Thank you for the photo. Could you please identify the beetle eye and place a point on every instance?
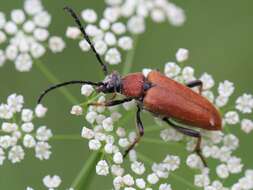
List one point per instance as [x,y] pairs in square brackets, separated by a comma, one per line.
[147,86]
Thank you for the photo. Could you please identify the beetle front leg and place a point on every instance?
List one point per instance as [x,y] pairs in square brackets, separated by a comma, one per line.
[191,133]
[111,103]
[195,83]
[140,129]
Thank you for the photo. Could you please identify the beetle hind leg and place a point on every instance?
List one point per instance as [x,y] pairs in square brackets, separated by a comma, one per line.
[140,128]
[191,133]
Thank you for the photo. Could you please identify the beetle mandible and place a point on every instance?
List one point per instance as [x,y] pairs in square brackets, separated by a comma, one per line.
[167,99]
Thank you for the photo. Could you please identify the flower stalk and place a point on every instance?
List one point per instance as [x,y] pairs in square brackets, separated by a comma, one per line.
[85,176]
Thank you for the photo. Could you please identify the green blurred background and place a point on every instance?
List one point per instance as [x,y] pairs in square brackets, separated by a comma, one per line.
[218,35]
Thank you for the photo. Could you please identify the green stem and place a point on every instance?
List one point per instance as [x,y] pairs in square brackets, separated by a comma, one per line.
[129,57]
[85,176]
[176,177]
[51,78]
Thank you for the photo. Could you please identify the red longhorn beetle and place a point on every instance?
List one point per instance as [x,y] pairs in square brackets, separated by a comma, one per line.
[160,95]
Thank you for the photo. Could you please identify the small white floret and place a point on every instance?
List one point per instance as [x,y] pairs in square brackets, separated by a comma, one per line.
[152,178]
[107,124]
[136,25]
[42,19]
[73,32]
[87,90]
[18,16]
[52,182]
[113,56]
[171,69]
[29,141]
[89,15]
[128,180]
[87,133]
[226,88]
[118,158]
[94,144]
[76,110]
[140,183]
[27,115]
[56,44]
[222,171]
[40,110]
[102,168]
[91,117]
[42,151]
[246,125]
[182,54]
[125,43]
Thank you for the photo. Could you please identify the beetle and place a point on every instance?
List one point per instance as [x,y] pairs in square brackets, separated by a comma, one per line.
[173,102]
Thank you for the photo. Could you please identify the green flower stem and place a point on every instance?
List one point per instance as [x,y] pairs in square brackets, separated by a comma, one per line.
[85,176]
[144,158]
[51,78]
[130,56]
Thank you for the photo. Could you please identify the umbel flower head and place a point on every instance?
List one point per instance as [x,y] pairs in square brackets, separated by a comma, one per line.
[19,133]
[106,133]
[122,20]
[24,37]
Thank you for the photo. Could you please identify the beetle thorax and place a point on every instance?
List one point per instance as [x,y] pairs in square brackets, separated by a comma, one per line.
[133,85]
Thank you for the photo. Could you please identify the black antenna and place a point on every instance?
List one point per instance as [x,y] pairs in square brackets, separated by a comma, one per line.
[85,35]
[65,84]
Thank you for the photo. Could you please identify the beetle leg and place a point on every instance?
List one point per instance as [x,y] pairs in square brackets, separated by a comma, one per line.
[195,83]
[140,130]
[111,103]
[191,133]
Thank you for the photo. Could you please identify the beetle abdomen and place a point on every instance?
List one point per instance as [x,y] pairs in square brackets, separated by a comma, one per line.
[132,85]
[169,98]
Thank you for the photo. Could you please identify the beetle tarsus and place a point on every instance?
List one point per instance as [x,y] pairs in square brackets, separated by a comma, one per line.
[140,128]
[199,152]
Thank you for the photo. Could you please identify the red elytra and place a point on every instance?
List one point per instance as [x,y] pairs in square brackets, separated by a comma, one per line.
[172,99]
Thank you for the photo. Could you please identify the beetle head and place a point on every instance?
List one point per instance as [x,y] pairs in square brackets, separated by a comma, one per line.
[111,83]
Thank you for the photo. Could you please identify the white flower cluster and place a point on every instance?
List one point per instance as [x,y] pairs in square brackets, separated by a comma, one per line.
[18,132]
[216,145]
[51,183]
[121,20]
[25,36]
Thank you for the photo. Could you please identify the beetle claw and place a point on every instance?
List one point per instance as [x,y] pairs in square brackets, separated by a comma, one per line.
[199,153]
